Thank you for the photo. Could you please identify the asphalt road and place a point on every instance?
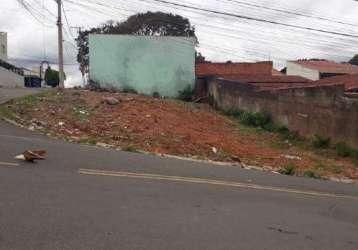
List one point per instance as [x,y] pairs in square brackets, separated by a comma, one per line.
[84,197]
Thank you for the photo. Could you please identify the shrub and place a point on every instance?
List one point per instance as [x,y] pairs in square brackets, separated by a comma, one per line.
[129,148]
[321,141]
[94,86]
[156,94]
[311,174]
[282,130]
[186,94]
[343,149]
[129,90]
[294,137]
[233,112]
[288,170]
[256,119]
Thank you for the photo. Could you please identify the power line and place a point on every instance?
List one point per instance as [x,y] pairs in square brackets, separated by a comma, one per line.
[254,18]
[259,40]
[67,22]
[27,7]
[291,12]
[44,8]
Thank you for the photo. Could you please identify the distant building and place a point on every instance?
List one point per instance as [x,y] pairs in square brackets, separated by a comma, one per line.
[229,70]
[350,82]
[3,46]
[319,69]
[10,75]
[149,65]
[274,82]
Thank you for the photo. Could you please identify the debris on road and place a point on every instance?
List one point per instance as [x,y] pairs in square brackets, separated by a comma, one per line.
[32,155]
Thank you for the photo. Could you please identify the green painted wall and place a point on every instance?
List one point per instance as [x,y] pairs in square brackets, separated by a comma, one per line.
[145,63]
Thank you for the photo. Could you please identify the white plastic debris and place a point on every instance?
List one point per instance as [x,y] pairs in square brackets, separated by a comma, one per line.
[292,157]
[215,150]
[20,157]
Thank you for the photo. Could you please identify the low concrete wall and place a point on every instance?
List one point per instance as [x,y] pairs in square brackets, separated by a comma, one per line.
[323,110]
[10,79]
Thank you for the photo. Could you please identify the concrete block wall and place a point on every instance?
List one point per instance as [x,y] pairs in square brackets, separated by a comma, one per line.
[323,110]
[147,64]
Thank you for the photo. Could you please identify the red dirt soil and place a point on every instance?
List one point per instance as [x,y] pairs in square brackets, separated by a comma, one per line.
[160,126]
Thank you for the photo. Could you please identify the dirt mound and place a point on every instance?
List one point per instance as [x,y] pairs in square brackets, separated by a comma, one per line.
[135,122]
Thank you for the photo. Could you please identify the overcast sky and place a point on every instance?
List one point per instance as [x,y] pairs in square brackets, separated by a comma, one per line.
[221,37]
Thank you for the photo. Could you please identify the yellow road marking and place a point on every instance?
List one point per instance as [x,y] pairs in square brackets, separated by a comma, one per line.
[210,182]
[9,164]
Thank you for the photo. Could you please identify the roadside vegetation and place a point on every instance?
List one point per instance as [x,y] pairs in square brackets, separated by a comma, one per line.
[137,123]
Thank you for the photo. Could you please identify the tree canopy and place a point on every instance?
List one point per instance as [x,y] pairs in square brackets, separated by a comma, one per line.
[354,60]
[52,77]
[145,24]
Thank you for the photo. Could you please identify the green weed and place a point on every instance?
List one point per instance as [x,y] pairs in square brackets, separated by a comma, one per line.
[6,112]
[321,142]
[343,150]
[311,174]
[129,148]
[290,169]
[278,145]
[186,94]
[127,89]
[90,141]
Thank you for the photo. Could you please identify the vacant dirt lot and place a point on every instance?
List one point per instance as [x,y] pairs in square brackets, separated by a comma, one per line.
[169,127]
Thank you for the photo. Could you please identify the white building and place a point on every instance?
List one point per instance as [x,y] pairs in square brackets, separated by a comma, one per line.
[10,75]
[3,46]
[319,69]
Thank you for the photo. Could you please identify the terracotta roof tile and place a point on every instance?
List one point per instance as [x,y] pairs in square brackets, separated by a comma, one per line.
[328,66]
[350,81]
[223,69]
[271,82]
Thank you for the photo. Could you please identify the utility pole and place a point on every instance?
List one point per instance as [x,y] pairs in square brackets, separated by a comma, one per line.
[60,46]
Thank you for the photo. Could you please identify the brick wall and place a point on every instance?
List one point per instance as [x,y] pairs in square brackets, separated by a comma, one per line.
[323,110]
[224,69]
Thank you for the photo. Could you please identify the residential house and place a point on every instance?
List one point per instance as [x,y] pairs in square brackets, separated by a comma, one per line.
[350,82]
[263,82]
[10,75]
[319,69]
[32,78]
[206,71]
